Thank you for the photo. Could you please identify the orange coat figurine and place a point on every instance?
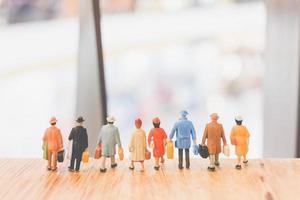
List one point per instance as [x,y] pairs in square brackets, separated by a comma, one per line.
[213,133]
[239,137]
[53,139]
[159,137]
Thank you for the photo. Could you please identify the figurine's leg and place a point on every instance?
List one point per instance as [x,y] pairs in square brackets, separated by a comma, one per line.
[54,160]
[180,158]
[156,167]
[72,162]
[217,163]
[187,158]
[78,161]
[131,167]
[49,160]
[245,161]
[162,160]
[212,162]
[142,165]
[103,159]
[113,162]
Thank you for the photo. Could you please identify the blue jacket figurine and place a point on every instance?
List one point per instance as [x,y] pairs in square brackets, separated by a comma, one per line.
[184,130]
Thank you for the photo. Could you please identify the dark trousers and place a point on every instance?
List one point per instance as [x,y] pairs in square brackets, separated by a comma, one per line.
[76,155]
[187,157]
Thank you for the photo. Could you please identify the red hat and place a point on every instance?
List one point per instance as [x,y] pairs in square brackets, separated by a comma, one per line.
[156,120]
[138,121]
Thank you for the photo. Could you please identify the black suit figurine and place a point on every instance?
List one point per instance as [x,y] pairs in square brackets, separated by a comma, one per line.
[80,143]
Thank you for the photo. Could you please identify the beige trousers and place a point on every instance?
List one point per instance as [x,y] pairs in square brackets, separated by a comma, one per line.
[213,159]
[103,160]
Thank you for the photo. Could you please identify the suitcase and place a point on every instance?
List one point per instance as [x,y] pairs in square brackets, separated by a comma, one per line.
[61,156]
[203,151]
[226,150]
[97,154]
[121,153]
[147,155]
[45,151]
[170,150]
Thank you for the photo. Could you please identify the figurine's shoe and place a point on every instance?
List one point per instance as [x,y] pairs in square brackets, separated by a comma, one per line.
[142,170]
[212,169]
[245,161]
[77,171]
[187,166]
[131,168]
[103,170]
[156,168]
[217,164]
[70,169]
[180,167]
[238,167]
[114,165]
[54,169]
[162,160]
[49,168]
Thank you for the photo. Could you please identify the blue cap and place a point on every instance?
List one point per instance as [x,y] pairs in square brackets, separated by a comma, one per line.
[184,113]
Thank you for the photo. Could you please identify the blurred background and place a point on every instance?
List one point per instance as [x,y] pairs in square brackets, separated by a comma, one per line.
[159,56]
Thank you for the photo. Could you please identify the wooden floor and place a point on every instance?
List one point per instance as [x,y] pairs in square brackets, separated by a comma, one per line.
[261,179]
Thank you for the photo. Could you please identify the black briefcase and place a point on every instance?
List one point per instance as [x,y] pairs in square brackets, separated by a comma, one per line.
[203,151]
[61,156]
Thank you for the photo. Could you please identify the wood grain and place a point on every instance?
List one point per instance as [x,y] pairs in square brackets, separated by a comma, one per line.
[261,179]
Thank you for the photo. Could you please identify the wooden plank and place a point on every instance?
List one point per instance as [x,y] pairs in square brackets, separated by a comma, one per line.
[260,179]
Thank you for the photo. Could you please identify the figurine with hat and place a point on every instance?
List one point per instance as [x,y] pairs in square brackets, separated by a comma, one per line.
[184,131]
[54,143]
[213,133]
[79,137]
[109,137]
[158,137]
[239,137]
[138,145]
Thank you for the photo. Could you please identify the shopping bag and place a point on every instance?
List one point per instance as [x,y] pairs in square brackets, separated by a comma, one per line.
[170,150]
[147,155]
[69,150]
[121,153]
[61,156]
[226,150]
[97,154]
[85,157]
[203,151]
[45,151]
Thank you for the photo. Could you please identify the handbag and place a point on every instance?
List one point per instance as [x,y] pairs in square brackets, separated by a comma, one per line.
[61,156]
[170,150]
[203,151]
[147,155]
[97,153]
[226,150]
[85,157]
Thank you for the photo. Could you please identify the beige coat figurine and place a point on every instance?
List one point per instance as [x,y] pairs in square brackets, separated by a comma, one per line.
[138,145]
[213,133]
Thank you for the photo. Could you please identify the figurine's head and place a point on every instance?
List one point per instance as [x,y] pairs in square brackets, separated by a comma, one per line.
[214,117]
[156,122]
[239,120]
[110,119]
[184,113]
[52,121]
[138,123]
[80,120]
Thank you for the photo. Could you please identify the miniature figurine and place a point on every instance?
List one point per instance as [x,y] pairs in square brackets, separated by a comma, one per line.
[184,130]
[158,136]
[239,137]
[138,145]
[79,137]
[213,133]
[108,138]
[54,143]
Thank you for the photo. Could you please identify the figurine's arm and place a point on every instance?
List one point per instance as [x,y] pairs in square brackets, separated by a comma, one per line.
[71,136]
[223,136]
[85,139]
[193,134]
[150,137]
[131,143]
[45,136]
[232,137]
[144,141]
[173,131]
[60,140]
[205,134]
[118,138]
[165,137]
